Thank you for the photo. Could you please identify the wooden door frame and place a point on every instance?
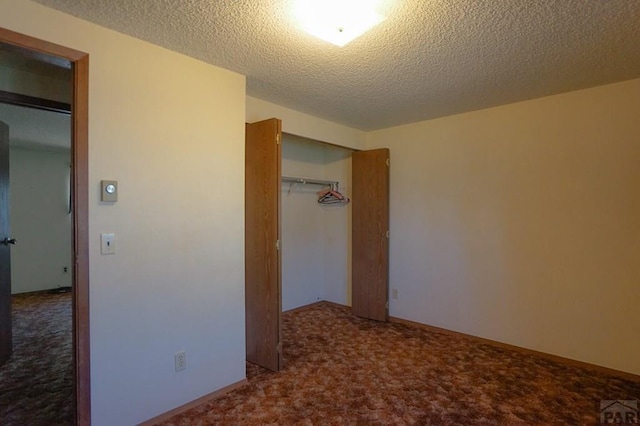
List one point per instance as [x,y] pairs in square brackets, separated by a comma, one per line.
[80,197]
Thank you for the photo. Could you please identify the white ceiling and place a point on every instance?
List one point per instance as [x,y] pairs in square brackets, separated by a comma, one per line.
[36,129]
[430,58]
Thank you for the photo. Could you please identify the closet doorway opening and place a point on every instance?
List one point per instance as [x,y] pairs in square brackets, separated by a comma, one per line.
[299,251]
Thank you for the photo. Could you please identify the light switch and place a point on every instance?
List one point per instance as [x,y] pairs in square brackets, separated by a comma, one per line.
[109,190]
[107,243]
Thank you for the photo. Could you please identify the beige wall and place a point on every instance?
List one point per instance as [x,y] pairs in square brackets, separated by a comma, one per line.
[170,129]
[522,223]
[305,125]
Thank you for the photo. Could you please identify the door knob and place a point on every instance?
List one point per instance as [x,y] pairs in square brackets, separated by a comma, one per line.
[8,241]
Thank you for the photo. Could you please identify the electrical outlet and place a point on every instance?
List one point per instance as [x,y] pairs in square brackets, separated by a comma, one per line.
[394,293]
[65,269]
[180,360]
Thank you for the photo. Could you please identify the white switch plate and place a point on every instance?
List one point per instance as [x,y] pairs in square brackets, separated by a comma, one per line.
[107,243]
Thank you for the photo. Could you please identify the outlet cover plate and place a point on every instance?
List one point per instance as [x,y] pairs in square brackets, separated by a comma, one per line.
[180,360]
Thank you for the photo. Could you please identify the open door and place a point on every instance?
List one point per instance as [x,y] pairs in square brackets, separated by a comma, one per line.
[6,345]
[370,227]
[262,240]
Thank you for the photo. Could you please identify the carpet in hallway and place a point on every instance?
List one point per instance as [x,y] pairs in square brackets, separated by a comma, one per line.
[36,384]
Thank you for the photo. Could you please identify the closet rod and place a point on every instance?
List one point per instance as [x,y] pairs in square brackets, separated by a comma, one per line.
[309,181]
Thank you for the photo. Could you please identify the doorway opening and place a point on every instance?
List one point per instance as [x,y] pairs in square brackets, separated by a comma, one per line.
[40,221]
[32,49]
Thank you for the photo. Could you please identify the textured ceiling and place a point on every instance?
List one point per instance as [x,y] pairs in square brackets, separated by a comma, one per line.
[429,58]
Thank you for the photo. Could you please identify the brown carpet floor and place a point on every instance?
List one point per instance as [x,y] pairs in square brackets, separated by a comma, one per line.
[36,384]
[344,370]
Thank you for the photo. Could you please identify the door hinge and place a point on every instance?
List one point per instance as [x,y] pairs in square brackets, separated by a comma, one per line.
[388,162]
[277,244]
[387,305]
[278,139]
[279,347]
[387,235]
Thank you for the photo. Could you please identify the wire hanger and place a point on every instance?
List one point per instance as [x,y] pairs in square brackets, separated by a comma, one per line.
[332,196]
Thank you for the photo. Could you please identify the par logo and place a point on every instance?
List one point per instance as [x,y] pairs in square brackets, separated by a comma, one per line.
[619,411]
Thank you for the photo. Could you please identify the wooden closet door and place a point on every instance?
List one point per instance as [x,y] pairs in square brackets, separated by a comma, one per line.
[262,234]
[370,227]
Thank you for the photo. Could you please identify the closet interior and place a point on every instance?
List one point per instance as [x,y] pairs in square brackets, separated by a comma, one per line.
[316,228]
[315,224]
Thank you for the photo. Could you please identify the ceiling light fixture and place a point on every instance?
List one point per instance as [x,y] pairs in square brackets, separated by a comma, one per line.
[337,21]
